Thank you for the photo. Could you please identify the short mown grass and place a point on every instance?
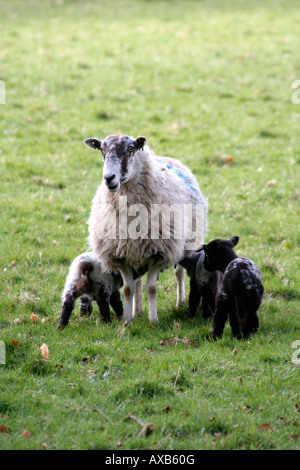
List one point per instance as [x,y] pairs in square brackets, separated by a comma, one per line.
[209,82]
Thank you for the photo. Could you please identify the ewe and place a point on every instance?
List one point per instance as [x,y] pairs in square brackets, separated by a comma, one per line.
[147,215]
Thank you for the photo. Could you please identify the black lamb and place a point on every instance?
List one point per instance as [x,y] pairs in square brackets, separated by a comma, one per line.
[241,290]
[204,285]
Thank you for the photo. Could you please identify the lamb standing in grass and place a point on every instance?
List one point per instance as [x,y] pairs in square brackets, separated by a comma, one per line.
[87,280]
[204,285]
[144,181]
[241,290]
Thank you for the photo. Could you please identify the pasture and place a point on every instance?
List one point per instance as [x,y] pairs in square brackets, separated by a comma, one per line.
[210,83]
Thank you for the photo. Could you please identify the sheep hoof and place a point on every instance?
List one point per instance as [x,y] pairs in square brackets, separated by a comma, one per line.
[127,320]
[138,314]
[153,319]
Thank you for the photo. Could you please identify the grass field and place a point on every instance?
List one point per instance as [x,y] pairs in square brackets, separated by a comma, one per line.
[209,82]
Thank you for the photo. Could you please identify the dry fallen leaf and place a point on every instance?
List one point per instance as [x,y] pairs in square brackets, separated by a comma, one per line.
[149,429]
[163,342]
[17,320]
[283,420]
[3,428]
[45,351]
[265,427]
[26,433]
[33,318]
[188,341]
[15,343]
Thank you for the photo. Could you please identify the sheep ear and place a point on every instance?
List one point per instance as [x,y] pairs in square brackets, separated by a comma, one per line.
[93,143]
[201,257]
[140,142]
[189,262]
[200,270]
[234,240]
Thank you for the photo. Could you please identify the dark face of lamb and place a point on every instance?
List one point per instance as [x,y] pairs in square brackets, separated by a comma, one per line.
[118,153]
[218,253]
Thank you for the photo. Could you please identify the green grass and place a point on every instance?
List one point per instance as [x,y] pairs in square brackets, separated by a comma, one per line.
[203,81]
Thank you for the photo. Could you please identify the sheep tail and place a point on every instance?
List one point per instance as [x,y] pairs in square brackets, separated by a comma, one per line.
[84,284]
[242,313]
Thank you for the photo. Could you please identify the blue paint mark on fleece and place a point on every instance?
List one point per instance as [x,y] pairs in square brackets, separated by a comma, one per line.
[186,179]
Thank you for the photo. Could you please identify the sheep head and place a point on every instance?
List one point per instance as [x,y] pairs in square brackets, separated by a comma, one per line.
[118,153]
[218,253]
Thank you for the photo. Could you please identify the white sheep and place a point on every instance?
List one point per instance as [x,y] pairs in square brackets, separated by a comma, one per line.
[171,220]
[87,280]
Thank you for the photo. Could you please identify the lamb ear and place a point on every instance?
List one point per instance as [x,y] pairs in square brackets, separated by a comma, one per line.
[93,143]
[202,248]
[234,240]
[201,257]
[140,142]
[189,262]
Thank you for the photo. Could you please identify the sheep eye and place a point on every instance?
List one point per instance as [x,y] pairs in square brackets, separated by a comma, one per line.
[130,150]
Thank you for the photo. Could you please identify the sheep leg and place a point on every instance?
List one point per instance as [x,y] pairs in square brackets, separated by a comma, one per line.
[220,316]
[102,302]
[86,305]
[128,282]
[194,298]
[151,290]
[67,309]
[180,275]
[208,302]
[251,325]
[116,303]
[138,298]
[235,324]
[242,314]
